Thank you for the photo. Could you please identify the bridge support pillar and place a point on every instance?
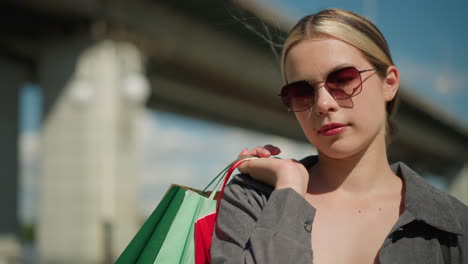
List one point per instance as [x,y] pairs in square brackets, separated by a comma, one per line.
[88,202]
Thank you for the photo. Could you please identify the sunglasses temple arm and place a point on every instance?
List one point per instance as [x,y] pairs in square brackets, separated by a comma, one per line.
[310,112]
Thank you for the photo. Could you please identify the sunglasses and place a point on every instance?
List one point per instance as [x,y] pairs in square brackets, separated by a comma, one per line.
[342,84]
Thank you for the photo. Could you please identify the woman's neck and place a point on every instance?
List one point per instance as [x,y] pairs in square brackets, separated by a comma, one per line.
[362,174]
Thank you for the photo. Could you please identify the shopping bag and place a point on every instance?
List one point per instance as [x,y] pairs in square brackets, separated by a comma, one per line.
[146,244]
[204,226]
[168,235]
[178,246]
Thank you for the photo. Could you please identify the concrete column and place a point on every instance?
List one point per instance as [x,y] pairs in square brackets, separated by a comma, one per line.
[134,88]
[12,76]
[88,191]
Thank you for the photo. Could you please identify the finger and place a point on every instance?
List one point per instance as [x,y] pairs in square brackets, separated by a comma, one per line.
[244,167]
[262,152]
[249,166]
[261,169]
[273,149]
[244,152]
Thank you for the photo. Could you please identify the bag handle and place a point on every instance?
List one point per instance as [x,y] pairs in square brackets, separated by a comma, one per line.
[223,173]
[233,166]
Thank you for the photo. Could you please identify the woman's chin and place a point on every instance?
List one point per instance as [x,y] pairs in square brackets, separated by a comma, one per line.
[337,154]
[344,146]
[338,149]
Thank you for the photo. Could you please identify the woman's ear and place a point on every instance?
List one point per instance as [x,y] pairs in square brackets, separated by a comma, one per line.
[391,83]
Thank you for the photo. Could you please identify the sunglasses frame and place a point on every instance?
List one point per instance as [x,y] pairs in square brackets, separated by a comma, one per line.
[329,89]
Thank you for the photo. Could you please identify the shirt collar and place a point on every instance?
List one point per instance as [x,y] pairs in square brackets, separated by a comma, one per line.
[424,202]
[427,203]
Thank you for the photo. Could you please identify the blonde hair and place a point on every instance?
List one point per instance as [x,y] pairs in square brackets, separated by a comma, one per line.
[355,30]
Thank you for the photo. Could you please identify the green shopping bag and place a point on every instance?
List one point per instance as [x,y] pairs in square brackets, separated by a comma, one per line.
[146,244]
[166,237]
[178,246]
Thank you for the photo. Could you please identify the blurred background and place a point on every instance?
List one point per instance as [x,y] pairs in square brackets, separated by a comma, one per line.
[107,103]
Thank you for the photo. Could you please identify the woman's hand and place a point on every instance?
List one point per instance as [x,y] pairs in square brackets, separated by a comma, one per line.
[276,172]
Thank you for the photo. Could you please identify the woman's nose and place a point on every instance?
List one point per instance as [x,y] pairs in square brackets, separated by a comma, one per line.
[324,102]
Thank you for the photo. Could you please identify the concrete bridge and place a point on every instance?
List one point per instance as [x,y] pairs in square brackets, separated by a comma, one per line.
[99,62]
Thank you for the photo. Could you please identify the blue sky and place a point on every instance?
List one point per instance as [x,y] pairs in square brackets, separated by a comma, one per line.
[428,41]
[30,101]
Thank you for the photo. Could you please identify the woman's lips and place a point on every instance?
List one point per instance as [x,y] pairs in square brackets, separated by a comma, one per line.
[332,129]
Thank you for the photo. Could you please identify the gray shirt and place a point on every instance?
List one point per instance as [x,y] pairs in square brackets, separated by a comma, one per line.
[257,224]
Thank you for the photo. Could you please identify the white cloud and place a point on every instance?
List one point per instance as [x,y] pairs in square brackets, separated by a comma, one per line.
[166,173]
[443,80]
[29,146]
[444,83]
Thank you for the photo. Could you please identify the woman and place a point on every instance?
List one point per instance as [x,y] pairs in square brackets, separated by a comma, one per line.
[346,205]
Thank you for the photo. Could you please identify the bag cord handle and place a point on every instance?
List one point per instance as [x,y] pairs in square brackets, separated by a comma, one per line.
[233,166]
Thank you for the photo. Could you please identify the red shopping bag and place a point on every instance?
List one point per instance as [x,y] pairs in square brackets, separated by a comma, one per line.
[204,226]
[203,233]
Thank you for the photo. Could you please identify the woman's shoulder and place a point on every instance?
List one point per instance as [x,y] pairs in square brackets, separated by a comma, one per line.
[244,183]
[435,206]
[460,211]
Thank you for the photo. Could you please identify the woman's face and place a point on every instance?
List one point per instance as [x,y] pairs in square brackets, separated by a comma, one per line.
[364,114]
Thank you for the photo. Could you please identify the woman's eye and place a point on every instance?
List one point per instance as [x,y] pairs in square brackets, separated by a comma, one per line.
[342,80]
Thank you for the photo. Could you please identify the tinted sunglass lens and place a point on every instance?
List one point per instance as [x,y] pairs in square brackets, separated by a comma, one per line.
[342,83]
[298,96]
